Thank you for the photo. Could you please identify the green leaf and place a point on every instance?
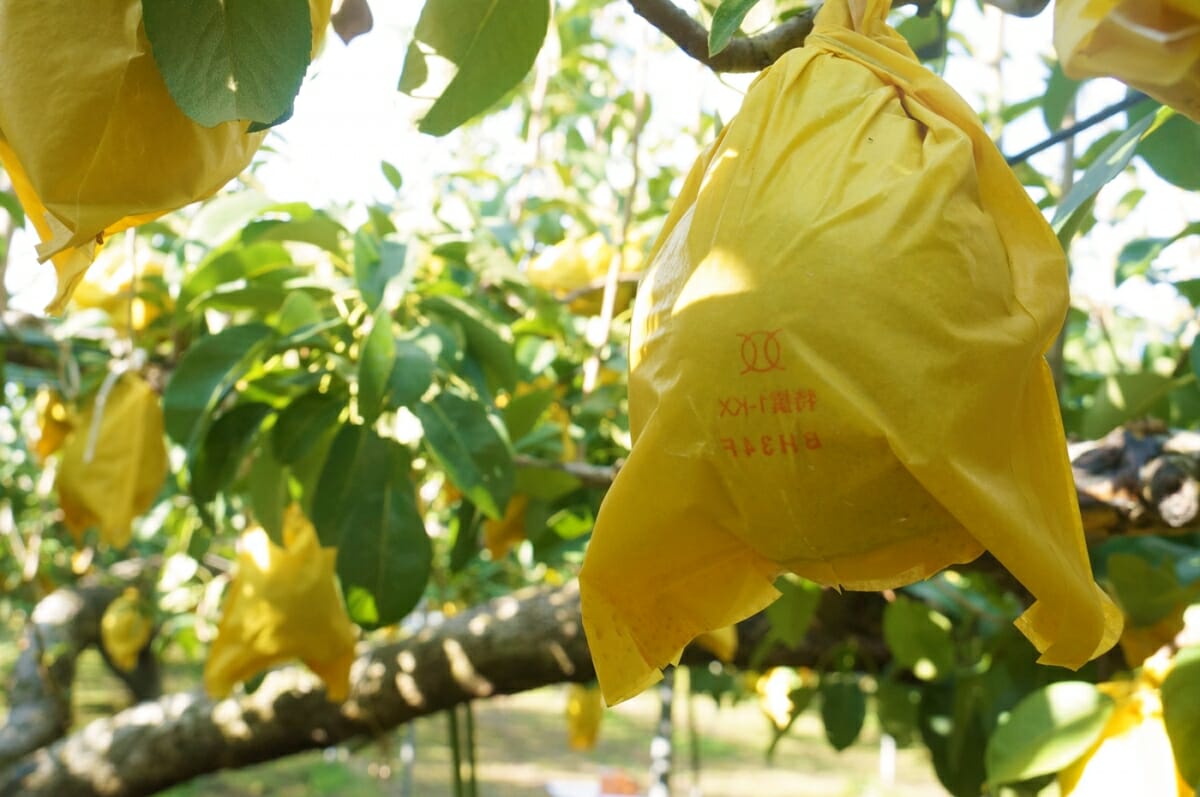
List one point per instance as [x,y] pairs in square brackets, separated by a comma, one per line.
[267,490]
[1138,256]
[1060,93]
[392,175]
[1181,712]
[1172,151]
[228,266]
[727,19]
[1125,396]
[1145,591]
[411,375]
[376,264]
[375,363]
[1108,165]
[335,486]
[303,423]
[415,71]
[466,536]
[843,708]
[219,457]
[384,554]
[299,310]
[926,35]
[10,203]
[545,484]
[919,639]
[465,441]
[306,225]
[1047,731]
[232,59]
[522,413]
[898,704]
[792,613]
[954,728]
[487,341]
[492,42]
[204,373]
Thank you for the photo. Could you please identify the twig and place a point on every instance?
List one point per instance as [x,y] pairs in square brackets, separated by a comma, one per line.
[744,53]
[1076,129]
[591,475]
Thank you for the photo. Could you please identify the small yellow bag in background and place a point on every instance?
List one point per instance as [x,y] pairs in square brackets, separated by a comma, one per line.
[1151,45]
[114,461]
[89,135]
[836,368]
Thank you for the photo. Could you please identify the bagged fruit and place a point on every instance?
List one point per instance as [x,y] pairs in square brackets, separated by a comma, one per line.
[836,368]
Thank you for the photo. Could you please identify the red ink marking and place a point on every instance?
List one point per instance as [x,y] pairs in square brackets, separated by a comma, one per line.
[812,440]
[805,400]
[768,446]
[761,352]
[730,445]
[786,442]
[781,402]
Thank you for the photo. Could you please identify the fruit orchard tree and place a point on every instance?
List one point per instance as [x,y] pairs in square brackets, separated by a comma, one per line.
[361,449]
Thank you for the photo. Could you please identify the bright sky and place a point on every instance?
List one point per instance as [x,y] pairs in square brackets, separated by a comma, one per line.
[349,117]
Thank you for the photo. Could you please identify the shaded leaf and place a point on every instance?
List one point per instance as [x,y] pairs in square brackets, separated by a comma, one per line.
[375,363]
[204,373]
[231,60]
[918,640]
[463,439]
[218,458]
[303,423]
[1181,712]
[843,708]
[727,19]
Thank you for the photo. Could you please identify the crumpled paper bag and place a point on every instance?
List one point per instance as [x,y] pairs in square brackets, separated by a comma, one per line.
[837,368]
[1152,45]
[89,135]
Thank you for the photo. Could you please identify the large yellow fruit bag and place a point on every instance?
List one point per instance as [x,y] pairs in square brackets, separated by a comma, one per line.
[1152,45]
[114,461]
[836,368]
[89,134]
[283,604]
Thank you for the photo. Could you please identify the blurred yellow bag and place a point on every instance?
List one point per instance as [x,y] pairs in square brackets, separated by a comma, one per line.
[836,368]
[283,604]
[1152,45]
[90,136]
[113,466]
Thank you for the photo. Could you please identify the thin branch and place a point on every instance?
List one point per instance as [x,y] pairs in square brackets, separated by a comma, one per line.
[744,53]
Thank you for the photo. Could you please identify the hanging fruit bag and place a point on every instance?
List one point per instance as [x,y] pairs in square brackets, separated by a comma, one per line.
[837,370]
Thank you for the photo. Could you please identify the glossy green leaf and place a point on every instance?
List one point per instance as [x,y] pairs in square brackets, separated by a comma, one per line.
[232,265]
[727,19]
[375,363]
[305,225]
[919,639]
[303,423]
[1181,712]
[1137,257]
[299,310]
[415,71]
[226,60]
[843,708]
[384,554]
[488,341]
[522,413]
[335,485]
[219,457]
[204,373]
[545,484]
[492,42]
[465,441]
[392,175]
[1046,731]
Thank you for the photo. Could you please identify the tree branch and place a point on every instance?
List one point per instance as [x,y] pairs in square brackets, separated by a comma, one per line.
[744,54]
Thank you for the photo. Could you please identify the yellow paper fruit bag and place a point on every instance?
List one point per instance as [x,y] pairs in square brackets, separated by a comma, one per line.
[113,462]
[89,134]
[585,712]
[836,368]
[125,629]
[283,604]
[1152,45]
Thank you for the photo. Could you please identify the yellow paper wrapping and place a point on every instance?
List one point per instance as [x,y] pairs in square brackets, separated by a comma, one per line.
[1152,45]
[283,604]
[89,135]
[836,368]
[113,466]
